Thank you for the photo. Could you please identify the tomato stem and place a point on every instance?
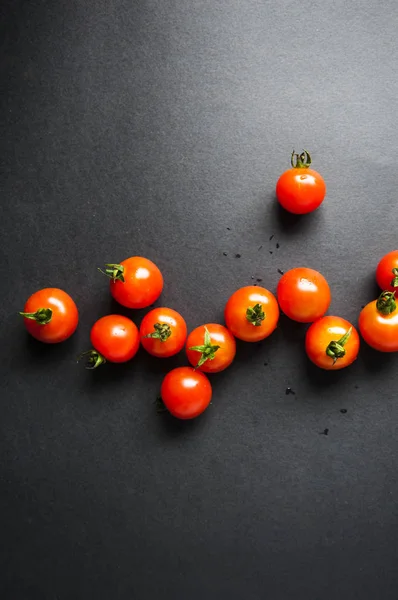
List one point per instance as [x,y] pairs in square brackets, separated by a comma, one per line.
[42,316]
[394,282]
[385,303]
[336,348]
[255,315]
[162,332]
[300,161]
[93,359]
[207,351]
[113,271]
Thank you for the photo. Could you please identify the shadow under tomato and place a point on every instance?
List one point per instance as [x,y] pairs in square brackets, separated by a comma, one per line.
[39,353]
[283,221]
[171,428]
[376,362]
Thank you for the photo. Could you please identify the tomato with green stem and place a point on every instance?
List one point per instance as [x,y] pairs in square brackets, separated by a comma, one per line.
[387,272]
[300,190]
[50,315]
[332,343]
[135,283]
[303,294]
[186,392]
[251,313]
[378,323]
[163,332]
[114,338]
[211,348]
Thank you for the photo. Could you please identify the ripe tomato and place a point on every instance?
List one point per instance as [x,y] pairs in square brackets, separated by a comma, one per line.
[50,315]
[135,283]
[387,272]
[303,294]
[211,348]
[332,343]
[300,190]
[251,313]
[378,323]
[163,332]
[186,392]
[115,339]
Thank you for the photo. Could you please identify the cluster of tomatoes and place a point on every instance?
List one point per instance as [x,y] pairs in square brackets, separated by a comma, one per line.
[251,314]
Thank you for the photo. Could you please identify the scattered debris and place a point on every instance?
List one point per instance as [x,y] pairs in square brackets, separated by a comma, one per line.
[229,229]
[343,410]
[270,251]
[281,272]
[259,248]
[225,253]
[325,431]
[277,245]
[289,391]
[271,236]
[238,255]
[259,279]
[265,364]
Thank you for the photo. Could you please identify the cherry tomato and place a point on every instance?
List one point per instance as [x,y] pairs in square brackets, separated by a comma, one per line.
[163,332]
[251,313]
[211,348]
[186,392]
[378,323]
[115,339]
[135,283]
[303,294]
[387,272]
[50,315]
[300,190]
[332,343]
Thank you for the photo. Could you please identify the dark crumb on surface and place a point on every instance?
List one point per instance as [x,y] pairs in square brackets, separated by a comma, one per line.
[363,306]
[259,279]
[254,283]
[270,251]
[238,255]
[281,272]
[271,236]
[265,364]
[325,431]
[343,410]
[277,245]
[259,248]
[289,391]
[356,387]
[225,253]
[229,229]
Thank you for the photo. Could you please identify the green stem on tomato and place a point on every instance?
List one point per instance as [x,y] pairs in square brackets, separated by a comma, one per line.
[113,271]
[207,350]
[336,348]
[300,161]
[42,316]
[162,332]
[394,282]
[93,359]
[255,314]
[385,303]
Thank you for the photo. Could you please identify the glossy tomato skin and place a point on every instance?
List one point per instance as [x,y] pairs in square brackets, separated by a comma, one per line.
[116,338]
[379,331]
[300,190]
[326,330]
[143,283]
[174,343]
[219,336]
[384,274]
[236,313]
[303,294]
[64,320]
[186,392]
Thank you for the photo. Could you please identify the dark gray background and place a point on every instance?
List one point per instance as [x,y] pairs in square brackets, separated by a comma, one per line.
[150,127]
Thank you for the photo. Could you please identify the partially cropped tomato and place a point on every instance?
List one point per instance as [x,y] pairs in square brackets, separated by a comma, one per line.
[300,190]
[303,294]
[211,348]
[115,339]
[332,343]
[387,272]
[135,283]
[251,313]
[378,323]
[186,392]
[163,332]
[50,315]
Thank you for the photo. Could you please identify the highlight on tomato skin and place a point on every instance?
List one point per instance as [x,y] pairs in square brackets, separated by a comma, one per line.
[186,392]
[211,348]
[303,294]
[50,315]
[163,332]
[387,272]
[332,343]
[251,313]
[300,190]
[378,323]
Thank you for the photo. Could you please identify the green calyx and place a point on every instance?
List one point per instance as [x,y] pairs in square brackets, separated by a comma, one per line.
[394,282]
[162,332]
[93,359]
[385,303]
[300,161]
[255,315]
[336,348]
[42,316]
[207,351]
[114,272]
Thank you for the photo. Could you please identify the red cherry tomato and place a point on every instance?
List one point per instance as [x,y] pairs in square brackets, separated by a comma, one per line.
[251,313]
[387,272]
[50,315]
[135,283]
[378,323]
[186,392]
[211,348]
[332,343]
[303,294]
[300,190]
[115,339]
[163,332]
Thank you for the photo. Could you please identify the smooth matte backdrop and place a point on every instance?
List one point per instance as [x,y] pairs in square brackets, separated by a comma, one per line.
[159,128]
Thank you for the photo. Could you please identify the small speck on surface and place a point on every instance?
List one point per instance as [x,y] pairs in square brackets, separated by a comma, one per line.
[281,272]
[225,253]
[238,255]
[270,251]
[229,229]
[277,245]
[289,391]
[259,279]
[265,364]
[325,431]
[356,387]
[343,410]
[271,237]
[252,276]
[259,248]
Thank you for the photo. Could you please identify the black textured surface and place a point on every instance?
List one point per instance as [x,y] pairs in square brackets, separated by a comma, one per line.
[160,128]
